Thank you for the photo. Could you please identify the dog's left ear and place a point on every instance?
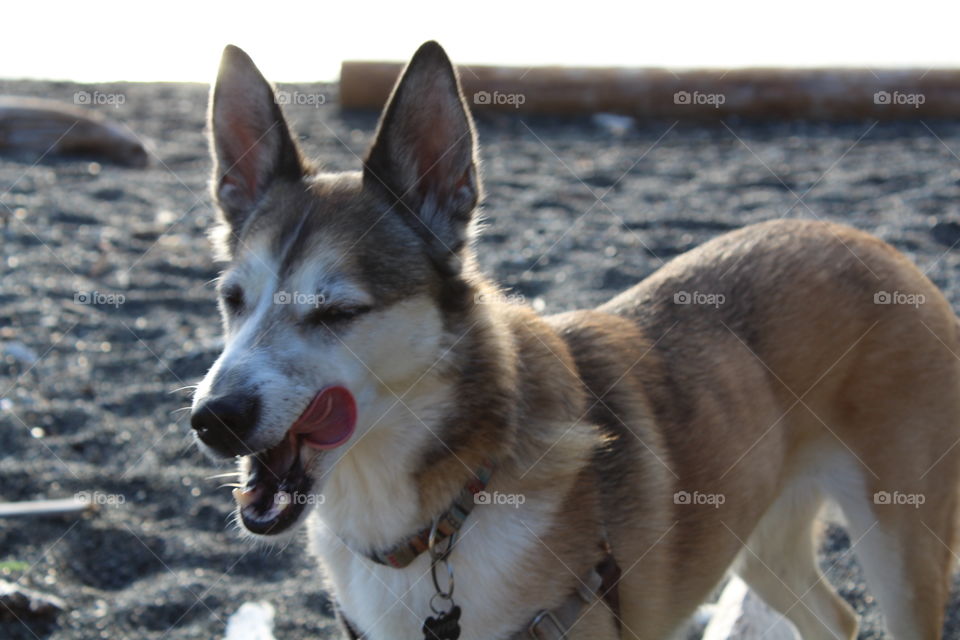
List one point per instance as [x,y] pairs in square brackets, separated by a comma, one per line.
[423,159]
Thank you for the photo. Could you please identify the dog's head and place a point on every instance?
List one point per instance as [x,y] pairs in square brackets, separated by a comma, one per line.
[335,283]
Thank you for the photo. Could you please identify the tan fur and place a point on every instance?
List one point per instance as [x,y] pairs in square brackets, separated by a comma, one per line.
[716,402]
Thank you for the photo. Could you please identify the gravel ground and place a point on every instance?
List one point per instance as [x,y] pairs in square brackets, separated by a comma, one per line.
[97,412]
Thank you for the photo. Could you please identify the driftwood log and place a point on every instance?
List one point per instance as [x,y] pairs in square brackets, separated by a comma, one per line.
[822,94]
[41,127]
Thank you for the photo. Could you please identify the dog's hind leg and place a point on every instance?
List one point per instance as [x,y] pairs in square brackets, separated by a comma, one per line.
[779,563]
[902,533]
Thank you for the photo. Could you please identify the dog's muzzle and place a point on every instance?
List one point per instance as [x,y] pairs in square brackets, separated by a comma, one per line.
[278,485]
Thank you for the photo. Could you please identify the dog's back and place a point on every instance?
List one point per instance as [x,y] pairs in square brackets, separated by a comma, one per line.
[769,369]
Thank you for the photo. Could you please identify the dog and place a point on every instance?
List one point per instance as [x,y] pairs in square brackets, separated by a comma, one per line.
[467,468]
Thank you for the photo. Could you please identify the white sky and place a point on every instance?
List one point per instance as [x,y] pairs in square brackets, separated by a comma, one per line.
[305,41]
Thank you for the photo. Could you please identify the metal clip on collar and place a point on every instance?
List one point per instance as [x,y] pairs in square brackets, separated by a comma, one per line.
[438,556]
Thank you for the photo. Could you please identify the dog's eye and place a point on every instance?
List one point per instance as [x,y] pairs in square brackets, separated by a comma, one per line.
[327,316]
[233,298]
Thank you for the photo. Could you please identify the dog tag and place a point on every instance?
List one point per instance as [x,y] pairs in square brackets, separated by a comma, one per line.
[445,626]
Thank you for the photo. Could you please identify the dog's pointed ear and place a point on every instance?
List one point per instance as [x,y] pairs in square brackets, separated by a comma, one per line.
[251,142]
[423,159]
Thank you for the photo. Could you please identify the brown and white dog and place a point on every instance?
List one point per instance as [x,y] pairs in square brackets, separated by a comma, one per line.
[624,458]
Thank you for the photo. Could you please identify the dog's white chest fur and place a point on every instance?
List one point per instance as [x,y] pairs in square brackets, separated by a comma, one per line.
[391,604]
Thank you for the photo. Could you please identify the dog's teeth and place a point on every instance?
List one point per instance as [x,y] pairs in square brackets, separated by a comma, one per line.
[281,501]
[243,497]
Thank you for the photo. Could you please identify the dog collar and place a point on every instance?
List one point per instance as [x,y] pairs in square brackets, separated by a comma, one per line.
[448,523]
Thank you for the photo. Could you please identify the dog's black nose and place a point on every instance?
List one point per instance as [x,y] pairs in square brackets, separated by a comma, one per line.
[223,422]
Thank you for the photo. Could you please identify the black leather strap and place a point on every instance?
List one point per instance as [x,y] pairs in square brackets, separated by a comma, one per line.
[609,571]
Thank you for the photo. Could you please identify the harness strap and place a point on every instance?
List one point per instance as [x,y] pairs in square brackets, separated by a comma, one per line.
[602,583]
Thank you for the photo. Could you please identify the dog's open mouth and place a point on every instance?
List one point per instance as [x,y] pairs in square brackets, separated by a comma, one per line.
[279,485]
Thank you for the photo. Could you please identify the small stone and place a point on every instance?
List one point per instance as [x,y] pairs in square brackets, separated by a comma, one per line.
[613,123]
[20,352]
[252,621]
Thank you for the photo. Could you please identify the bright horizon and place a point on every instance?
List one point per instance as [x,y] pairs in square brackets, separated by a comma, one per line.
[306,41]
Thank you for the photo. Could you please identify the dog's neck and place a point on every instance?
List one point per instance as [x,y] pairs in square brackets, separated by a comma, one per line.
[467,411]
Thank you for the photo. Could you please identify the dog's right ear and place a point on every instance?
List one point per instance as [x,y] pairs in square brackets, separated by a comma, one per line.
[250,139]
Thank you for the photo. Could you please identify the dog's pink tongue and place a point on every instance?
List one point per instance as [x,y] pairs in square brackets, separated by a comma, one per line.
[330,419]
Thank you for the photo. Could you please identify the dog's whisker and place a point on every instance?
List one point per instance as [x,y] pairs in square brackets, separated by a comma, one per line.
[188,387]
[227,474]
[188,445]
